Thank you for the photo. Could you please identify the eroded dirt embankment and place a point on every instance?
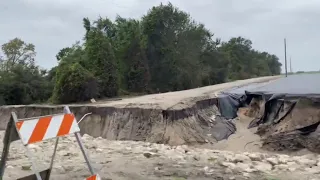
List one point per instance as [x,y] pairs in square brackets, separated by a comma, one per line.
[174,118]
[289,123]
[184,126]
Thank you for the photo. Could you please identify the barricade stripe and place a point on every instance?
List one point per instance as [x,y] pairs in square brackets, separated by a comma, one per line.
[26,130]
[66,124]
[94,177]
[54,126]
[40,129]
[75,126]
[19,124]
[91,178]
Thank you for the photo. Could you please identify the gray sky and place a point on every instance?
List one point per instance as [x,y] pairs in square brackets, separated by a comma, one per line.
[53,24]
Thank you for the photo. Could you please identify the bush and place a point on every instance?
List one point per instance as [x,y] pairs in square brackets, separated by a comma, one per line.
[74,84]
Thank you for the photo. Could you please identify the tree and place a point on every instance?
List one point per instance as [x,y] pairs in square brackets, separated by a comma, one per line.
[245,62]
[74,83]
[63,53]
[163,28]
[274,64]
[24,85]
[16,52]
[21,80]
[130,53]
[102,60]
[165,50]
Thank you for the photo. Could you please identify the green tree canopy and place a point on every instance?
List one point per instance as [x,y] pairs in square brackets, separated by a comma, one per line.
[21,81]
[165,50]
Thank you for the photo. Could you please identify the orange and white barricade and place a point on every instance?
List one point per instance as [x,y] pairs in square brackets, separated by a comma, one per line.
[94,177]
[37,129]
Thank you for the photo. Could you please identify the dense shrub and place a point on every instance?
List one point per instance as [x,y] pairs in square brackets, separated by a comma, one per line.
[74,83]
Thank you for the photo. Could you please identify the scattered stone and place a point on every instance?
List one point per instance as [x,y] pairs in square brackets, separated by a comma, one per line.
[67,154]
[243,167]
[292,169]
[228,171]
[86,137]
[254,157]
[282,167]
[292,166]
[177,161]
[306,162]
[147,154]
[99,138]
[229,165]
[26,167]
[273,161]
[33,146]
[263,166]
[197,158]
[309,156]
[246,174]
[99,150]
[154,150]
[105,162]
[206,168]
[68,168]
[283,159]
[313,170]
[241,158]
[212,159]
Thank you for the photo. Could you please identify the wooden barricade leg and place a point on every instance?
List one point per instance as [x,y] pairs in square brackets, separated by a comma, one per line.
[11,134]
[52,159]
[33,165]
[78,137]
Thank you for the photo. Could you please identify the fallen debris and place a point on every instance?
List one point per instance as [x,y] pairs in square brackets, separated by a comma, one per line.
[141,160]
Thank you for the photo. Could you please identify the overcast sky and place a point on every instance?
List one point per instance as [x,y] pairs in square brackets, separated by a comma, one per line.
[53,24]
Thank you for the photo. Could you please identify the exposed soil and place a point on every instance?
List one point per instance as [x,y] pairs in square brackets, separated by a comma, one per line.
[286,124]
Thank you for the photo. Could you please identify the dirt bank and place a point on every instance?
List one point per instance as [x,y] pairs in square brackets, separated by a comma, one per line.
[183,117]
[287,124]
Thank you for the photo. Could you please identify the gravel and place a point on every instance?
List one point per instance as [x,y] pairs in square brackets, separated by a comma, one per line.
[120,160]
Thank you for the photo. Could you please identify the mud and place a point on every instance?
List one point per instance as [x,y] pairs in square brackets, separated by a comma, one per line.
[288,124]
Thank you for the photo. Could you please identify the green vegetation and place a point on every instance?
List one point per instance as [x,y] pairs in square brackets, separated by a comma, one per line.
[165,50]
[302,72]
